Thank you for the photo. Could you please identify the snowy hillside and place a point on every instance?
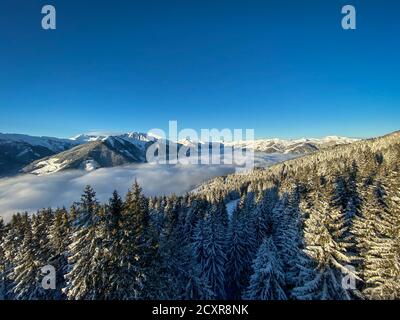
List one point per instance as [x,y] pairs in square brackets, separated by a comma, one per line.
[89,156]
[17,151]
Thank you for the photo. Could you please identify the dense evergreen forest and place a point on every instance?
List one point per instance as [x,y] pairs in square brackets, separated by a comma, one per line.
[297,230]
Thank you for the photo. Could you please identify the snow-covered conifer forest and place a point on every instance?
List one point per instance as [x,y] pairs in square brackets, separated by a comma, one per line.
[296,230]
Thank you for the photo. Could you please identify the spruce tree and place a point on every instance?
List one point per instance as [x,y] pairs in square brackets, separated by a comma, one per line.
[26,274]
[85,251]
[195,212]
[209,244]
[59,240]
[263,218]
[267,281]
[12,243]
[139,243]
[322,276]
[239,255]
[288,236]
[181,278]
[381,252]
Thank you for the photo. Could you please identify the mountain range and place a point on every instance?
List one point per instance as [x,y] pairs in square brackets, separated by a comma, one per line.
[45,155]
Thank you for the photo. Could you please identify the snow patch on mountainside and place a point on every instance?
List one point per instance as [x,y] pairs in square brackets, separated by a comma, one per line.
[84,138]
[91,165]
[48,166]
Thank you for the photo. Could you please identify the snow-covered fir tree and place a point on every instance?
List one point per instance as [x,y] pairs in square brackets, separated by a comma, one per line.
[322,276]
[84,278]
[209,246]
[59,240]
[288,236]
[268,279]
[140,252]
[240,248]
[26,274]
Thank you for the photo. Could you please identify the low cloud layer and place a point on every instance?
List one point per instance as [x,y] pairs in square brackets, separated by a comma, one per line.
[30,193]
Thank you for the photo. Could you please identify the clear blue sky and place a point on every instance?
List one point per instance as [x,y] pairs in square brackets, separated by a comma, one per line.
[284,68]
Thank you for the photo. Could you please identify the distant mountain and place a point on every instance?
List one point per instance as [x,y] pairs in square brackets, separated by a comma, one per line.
[138,139]
[45,155]
[17,150]
[296,146]
[99,153]
[302,146]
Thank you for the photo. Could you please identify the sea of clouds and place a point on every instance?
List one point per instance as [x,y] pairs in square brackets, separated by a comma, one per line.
[30,192]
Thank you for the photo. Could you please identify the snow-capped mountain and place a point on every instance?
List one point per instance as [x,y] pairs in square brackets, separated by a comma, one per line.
[95,151]
[296,146]
[279,145]
[84,138]
[108,152]
[17,150]
[138,139]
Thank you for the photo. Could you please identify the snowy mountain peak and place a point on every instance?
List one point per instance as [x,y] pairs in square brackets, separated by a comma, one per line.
[83,138]
[130,136]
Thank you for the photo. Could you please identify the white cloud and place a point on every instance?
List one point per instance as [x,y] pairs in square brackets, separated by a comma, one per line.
[30,193]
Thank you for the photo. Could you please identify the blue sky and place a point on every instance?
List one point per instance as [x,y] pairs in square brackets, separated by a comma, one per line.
[285,68]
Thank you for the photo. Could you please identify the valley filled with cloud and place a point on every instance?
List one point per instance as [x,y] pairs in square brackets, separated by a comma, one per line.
[30,193]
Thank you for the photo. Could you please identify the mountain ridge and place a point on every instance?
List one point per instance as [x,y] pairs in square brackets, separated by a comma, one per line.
[89,152]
